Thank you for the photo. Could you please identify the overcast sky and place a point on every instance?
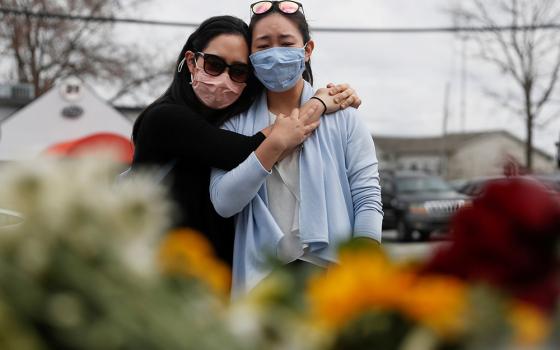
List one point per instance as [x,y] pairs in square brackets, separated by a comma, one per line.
[400,77]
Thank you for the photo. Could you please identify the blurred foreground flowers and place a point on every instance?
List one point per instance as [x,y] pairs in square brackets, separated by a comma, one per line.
[81,272]
[185,253]
[92,266]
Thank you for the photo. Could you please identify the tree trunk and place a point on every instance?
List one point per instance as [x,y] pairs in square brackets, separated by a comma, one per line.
[529,144]
[529,116]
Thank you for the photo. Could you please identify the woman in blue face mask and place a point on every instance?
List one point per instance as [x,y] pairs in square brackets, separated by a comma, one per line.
[180,130]
[301,205]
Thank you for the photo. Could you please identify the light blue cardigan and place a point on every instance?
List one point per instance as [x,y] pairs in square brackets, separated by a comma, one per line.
[339,184]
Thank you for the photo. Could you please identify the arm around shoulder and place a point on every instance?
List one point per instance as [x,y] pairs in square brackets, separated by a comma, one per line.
[180,133]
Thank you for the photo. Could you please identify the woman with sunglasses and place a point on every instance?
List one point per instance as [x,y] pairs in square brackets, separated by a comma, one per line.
[213,81]
[298,207]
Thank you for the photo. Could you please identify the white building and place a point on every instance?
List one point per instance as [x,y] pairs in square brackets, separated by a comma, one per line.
[69,111]
[465,155]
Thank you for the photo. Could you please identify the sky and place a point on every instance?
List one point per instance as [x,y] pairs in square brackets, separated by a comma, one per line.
[401,78]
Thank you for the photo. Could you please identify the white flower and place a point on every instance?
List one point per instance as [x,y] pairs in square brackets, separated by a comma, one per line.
[79,201]
[142,207]
[244,321]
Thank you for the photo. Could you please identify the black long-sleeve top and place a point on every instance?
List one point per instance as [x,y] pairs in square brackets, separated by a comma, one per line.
[171,132]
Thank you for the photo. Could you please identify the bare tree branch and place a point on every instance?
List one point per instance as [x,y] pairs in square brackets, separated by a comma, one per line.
[551,85]
[530,57]
[44,50]
[546,121]
[505,102]
[134,83]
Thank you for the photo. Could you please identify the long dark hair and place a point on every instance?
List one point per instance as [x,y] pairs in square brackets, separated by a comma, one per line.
[300,21]
[180,90]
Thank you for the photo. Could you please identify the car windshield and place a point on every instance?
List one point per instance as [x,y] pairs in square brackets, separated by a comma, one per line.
[422,184]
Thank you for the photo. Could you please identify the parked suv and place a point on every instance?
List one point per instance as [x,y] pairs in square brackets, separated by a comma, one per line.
[416,202]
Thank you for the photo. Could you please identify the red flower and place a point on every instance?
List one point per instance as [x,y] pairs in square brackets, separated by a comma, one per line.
[509,238]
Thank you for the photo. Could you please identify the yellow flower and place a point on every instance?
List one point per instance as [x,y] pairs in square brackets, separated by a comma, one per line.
[187,253]
[367,281]
[437,302]
[531,326]
[364,281]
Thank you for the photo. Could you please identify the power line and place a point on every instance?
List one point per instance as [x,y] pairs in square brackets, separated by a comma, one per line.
[68,17]
[411,30]
[436,30]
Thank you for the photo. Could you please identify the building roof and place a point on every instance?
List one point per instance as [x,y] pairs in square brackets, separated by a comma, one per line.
[68,111]
[11,102]
[437,144]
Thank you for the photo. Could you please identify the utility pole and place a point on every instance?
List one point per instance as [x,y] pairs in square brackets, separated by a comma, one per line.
[443,160]
[463,117]
[463,74]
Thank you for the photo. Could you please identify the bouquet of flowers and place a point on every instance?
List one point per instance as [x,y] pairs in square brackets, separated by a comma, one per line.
[496,286]
[92,266]
[80,271]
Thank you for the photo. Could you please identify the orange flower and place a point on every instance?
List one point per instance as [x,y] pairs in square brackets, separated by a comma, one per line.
[187,253]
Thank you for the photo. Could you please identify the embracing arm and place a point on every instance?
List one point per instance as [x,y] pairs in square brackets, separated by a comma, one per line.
[231,191]
[179,133]
[329,100]
[363,176]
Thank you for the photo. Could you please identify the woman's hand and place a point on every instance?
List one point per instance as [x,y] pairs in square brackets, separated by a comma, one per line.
[337,97]
[344,95]
[290,131]
[287,133]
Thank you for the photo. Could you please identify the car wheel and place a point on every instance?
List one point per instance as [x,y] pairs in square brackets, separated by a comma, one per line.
[425,236]
[404,234]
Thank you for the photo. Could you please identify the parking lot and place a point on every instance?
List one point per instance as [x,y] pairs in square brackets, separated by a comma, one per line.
[406,251]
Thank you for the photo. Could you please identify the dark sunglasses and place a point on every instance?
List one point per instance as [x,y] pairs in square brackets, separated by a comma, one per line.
[215,65]
[287,7]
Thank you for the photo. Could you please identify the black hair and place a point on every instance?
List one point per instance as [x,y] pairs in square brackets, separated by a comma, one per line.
[180,90]
[298,18]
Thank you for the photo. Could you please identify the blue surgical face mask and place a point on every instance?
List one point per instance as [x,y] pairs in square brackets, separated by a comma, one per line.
[279,68]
